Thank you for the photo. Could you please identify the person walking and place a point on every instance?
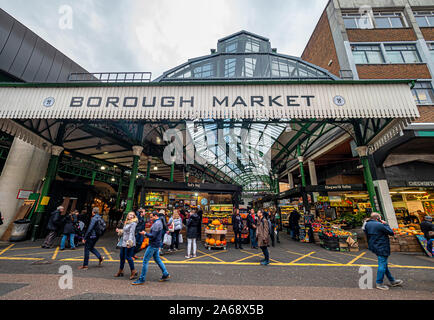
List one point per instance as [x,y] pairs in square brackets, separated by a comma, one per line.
[128,245]
[193,231]
[54,223]
[175,222]
[91,237]
[378,232]
[141,223]
[263,236]
[155,239]
[426,227]
[162,216]
[238,226]
[69,229]
[251,224]
[294,227]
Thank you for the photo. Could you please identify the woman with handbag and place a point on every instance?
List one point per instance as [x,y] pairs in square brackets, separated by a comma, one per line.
[175,227]
[128,244]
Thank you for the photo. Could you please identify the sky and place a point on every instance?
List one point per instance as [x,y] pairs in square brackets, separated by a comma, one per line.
[157,35]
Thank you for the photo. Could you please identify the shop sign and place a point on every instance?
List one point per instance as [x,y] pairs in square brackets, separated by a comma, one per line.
[24,194]
[336,187]
[420,183]
[211,101]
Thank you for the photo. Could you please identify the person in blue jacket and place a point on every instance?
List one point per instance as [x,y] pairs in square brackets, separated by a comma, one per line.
[90,239]
[378,232]
[155,236]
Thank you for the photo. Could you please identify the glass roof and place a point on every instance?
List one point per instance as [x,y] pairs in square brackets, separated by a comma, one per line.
[241,150]
[245,56]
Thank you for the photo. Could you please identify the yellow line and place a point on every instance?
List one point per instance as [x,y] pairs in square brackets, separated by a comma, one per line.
[351,255]
[300,254]
[356,258]
[55,253]
[302,257]
[250,263]
[107,253]
[26,248]
[211,255]
[6,249]
[19,258]
[253,255]
[29,254]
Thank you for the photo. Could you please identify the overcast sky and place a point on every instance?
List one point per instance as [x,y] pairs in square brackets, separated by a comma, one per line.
[157,35]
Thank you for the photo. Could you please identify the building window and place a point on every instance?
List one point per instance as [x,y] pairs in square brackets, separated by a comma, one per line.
[249,67]
[230,67]
[402,53]
[252,45]
[367,54]
[231,47]
[431,49]
[281,68]
[425,19]
[423,93]
[389,20]
[203,71]
[357,21]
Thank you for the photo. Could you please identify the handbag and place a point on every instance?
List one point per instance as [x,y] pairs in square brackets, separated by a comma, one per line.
[167,239]
[181,240]
[119,245]
[172,227]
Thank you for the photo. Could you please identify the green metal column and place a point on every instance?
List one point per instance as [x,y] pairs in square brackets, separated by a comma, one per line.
[49,178]
[172,170]
[118,197]
[92,182]
[137,150]
[300,162]
[368,176]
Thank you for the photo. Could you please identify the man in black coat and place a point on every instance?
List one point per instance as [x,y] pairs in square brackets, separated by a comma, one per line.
[426,226]
[237,224]
[252,222]
[294,218]
[54,223]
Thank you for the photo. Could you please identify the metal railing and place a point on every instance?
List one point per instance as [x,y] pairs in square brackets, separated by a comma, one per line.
[111,77]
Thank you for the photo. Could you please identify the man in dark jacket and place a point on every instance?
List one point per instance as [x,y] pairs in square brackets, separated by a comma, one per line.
[251,224]
[155,236]
[378,232]
[237,224]
[69,228]
[426,226]
[54,223]
[90,239]
[162,216]
[139,228]
[293,220]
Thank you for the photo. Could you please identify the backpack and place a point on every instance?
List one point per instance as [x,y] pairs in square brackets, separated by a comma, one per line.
[100,227]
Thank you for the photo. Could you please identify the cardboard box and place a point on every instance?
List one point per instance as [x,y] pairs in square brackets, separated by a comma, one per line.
[354,249]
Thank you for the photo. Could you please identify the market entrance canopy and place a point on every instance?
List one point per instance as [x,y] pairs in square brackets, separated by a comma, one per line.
[209,100]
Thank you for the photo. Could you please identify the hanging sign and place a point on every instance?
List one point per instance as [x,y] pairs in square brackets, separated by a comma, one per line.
[208,101]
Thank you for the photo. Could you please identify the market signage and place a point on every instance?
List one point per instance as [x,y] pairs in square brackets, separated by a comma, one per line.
[420,183]
[335,187]
[151,101]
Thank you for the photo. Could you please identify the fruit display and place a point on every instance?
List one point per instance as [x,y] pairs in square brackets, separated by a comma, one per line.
[215,235]
[215,225]
[407,230]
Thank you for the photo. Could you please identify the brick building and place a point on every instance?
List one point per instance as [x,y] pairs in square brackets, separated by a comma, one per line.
[374,39]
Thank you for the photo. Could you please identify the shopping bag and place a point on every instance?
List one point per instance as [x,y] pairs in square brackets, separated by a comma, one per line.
[119,245]
[167,239]
[145,243]
[180,239]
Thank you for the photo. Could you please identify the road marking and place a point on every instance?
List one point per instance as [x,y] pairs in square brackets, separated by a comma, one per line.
[356,258]
[364,258]
[251,255]
[25,248]
[300,254]
[29,254]
[55,254]
[211,255]
[107,253]
[302,257]
[247,263]
[6,249]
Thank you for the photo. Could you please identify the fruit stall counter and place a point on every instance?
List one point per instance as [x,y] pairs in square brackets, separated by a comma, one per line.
[332,237]
[215,233]
[405,239]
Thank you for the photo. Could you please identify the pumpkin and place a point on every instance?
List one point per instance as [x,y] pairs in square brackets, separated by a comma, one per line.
[224,242]
[216,222]
[233,240]
[411,228]
[206,240]
[400,225]
[218,243]
[211,241]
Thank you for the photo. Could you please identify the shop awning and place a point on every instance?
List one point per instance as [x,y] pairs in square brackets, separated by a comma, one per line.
[209,100]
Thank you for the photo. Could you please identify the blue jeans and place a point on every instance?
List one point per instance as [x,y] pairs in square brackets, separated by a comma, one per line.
[383,269]
[429,245]
[266,254]
[89,246]
[127,253]
[253,237]
[71,240]
[155,253]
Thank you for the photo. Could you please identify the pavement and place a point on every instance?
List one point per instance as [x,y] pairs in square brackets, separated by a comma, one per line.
[298,271]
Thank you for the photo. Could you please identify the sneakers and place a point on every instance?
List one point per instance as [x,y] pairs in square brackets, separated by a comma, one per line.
[138,282]
[83,268]
[165,278]
[188,257]
[396,283]
[381,286]
[100,261]
[265,263]
[194,256]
